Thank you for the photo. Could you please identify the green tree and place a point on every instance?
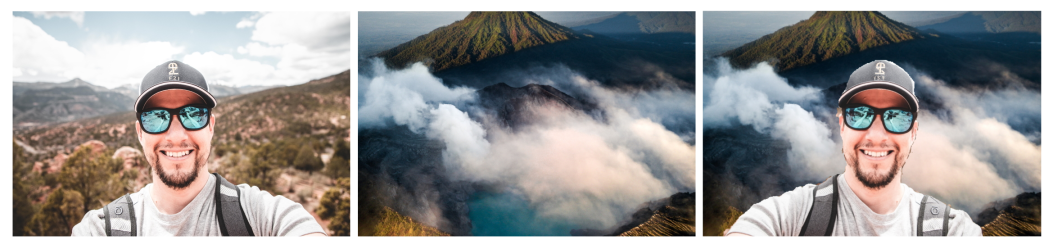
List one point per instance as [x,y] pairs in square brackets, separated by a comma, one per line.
[338,167]
[62,210]
[260,169]
[96,177]
[335,206]
[343,149]
[307,161]
[25,181]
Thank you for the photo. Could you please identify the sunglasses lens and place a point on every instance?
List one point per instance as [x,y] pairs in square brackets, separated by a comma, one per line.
[155,121]
[859,117]
[193,118]
[897,121]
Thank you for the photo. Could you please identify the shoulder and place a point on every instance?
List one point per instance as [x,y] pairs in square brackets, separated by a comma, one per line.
[94,222]
[91,225]
[959,222]
[778,215]
[275,215]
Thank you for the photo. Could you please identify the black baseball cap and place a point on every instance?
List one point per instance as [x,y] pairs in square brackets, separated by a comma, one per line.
[173,75]
[881,74]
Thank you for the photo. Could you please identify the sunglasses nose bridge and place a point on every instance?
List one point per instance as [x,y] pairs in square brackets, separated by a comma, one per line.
[877,131]
[175,128]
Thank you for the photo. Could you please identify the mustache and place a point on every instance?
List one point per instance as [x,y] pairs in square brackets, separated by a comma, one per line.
[872,145]
[181,145]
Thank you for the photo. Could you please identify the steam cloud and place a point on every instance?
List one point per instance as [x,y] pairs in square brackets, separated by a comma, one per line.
[758,97]
[567,164]
[967,153]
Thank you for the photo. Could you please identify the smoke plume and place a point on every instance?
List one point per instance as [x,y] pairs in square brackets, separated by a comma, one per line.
[568,165]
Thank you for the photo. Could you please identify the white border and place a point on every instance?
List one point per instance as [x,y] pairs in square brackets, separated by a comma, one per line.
[488,242]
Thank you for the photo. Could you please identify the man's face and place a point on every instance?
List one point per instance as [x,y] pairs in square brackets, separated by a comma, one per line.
[876,155]
[177,155]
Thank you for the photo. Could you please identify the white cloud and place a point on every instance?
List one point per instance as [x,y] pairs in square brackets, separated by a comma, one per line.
[75,16]
[40,57]
[309,45]
[245,24]
[224,69]
[115,63]
[313,30]
[257,49]
[197,13]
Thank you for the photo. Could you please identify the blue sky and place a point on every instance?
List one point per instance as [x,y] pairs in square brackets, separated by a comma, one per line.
[230,48]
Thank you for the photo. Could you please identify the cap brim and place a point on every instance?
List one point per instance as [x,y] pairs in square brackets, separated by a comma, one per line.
[210,101]
[912,101]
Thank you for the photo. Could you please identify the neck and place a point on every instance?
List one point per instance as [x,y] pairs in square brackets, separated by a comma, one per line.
[169,200]
[883,200]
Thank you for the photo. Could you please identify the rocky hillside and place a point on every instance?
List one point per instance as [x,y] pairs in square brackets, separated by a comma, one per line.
[1017,216]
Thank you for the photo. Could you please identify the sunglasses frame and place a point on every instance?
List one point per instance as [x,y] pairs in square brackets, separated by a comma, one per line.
[877,112]
[173,112]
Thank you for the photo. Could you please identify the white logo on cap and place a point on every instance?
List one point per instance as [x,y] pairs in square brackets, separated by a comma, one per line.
[880,74]
[173,75]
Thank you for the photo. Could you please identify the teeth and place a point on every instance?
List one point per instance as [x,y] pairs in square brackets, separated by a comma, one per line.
[875,154]
[177,154]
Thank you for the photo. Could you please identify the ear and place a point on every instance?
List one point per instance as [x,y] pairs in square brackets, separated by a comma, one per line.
[211,123]
[841,122]
[914,132]
[139,133]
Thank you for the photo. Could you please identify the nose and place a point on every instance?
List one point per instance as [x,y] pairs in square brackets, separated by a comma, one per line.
[176,133]
[877,132]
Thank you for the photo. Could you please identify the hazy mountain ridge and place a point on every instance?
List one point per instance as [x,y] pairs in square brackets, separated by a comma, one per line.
[41,103]
[478,36]
[63,104]
[825,35]
[988,22]
[640,23]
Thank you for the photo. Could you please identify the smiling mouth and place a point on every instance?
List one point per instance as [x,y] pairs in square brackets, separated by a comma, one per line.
[177,154]
[876,153]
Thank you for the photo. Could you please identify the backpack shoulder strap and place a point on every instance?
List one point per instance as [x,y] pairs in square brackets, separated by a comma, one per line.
[933,217]
[232,219]
[120,217]
[820,220]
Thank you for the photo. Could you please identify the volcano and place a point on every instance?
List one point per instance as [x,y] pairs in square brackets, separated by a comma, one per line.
[478,36]
[825,35]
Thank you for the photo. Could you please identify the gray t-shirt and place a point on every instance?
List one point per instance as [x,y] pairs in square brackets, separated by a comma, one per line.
[268,215]
[785,215]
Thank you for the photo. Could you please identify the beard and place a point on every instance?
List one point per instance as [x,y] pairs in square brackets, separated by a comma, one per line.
[178,180]
[875,179]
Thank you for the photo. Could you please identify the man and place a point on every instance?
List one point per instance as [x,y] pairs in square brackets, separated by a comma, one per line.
[175,127]
[878,114]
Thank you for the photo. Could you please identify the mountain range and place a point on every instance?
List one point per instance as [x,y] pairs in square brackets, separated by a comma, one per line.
[41,103]
[639,23]
[978,22]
